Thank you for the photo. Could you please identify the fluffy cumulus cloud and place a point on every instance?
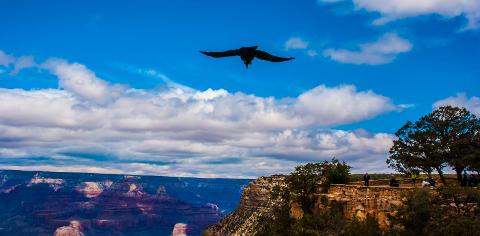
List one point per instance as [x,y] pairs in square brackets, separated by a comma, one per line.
[80,81]
[88,124]
[335,105]
[392,10]
[461,100]
[382,51]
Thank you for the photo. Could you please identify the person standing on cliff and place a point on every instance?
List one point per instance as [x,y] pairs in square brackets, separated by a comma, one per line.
[366,178]
[414,177]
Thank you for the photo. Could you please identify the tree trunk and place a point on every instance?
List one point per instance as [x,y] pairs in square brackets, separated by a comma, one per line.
[459,174]
[440,173]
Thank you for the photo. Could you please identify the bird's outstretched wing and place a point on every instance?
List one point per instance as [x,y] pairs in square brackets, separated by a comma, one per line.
[228,53]
[268,57]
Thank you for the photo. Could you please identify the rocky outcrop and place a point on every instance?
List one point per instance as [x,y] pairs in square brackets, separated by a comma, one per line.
[180,229]
[74,229]
[256,203]
[359,201]
[55,184]
[93,189]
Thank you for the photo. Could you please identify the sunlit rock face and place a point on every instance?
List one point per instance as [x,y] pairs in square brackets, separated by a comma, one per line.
[360,202]
[90,189]
[95,204]
[134,191]
[180,229]
[255,204]
[72,230]
[55,184]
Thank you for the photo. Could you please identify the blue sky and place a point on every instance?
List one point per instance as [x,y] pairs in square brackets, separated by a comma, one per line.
[361,71]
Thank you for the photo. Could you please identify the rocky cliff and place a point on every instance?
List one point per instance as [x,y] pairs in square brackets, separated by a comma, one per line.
[359,201]
[258,202]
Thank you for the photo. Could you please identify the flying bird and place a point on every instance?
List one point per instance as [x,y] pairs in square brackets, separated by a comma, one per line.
[247,54]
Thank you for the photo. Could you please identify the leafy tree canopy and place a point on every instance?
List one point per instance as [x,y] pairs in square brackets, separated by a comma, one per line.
[447,136]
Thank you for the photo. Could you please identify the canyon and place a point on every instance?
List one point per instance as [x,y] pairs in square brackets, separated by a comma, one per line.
[74,204]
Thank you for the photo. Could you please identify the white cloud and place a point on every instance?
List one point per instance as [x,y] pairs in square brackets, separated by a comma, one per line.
[181,131]
[392,10]
[82,82]
[20,63]
[341,104]
[300,44]
[296,43]
[6,59]
[461,100]
[382,51]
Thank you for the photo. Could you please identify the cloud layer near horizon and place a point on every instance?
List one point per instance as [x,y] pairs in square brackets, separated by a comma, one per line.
[89,124]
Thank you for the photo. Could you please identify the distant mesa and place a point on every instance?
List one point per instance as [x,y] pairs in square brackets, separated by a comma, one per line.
[55,184]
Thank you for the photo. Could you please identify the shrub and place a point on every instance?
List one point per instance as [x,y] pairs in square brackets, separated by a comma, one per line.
[369,227]
[303,182]
[414,215]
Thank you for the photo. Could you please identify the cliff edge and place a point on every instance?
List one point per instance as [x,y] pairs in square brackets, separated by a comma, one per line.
[257,203]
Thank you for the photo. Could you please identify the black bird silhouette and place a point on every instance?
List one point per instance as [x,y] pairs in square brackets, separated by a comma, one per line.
[248,54]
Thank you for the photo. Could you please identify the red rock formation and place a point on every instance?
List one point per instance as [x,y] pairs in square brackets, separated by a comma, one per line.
[90,189]
[74,229]
[180,229]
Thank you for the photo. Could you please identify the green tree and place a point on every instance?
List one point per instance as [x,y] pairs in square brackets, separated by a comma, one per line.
[456,130]
[448,135]
[306,179]
[416,148]
[335,172]
[473,158]
[303,183]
